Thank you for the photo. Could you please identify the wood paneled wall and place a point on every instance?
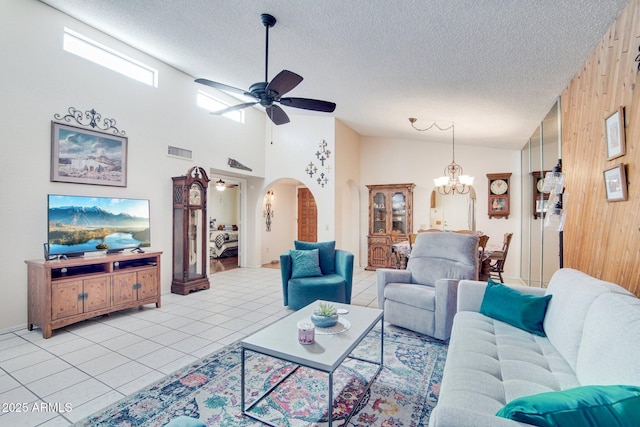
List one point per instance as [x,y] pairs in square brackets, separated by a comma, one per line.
[603,238]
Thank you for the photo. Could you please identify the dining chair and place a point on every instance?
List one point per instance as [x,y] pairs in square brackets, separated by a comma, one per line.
[498,258]
[483,264]
[412,239]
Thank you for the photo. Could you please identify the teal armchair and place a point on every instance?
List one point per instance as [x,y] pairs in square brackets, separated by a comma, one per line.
[333,282]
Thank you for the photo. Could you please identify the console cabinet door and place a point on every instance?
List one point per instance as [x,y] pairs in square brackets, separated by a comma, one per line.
[97,293]
[66,299]
[148,281]
[123,291]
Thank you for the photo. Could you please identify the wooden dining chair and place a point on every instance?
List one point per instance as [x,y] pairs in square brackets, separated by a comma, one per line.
[412,239]
[483,270]
[498,258]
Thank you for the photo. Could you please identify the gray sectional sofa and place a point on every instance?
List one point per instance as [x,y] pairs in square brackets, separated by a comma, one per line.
[592,338]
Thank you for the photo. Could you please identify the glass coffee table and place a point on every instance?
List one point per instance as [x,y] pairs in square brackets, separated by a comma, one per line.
[326,354]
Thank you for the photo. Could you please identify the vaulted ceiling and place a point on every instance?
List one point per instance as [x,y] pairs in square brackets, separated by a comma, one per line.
[492,67]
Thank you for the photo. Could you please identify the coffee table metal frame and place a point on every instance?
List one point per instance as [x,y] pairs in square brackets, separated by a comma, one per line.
[283,347]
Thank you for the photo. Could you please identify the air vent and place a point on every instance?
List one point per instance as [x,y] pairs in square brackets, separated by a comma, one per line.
[182,153]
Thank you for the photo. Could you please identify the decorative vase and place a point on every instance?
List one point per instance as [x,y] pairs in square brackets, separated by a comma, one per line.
[324,321]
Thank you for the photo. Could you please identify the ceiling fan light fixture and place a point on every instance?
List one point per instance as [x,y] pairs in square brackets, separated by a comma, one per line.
[220,185]
[267,93]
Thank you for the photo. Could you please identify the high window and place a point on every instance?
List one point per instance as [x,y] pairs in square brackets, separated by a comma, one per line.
[109,58]
[210,103]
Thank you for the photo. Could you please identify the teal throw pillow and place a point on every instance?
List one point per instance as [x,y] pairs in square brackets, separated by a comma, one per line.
[515,308]
[305,263]
[184,421]
[327,253]
[588,406]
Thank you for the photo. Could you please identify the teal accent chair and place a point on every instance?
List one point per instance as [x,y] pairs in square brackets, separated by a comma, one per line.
[334,284]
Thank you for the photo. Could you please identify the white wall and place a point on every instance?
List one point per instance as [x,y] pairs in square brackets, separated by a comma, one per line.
[39,80]
[283,225]
[391,161]
[290,149]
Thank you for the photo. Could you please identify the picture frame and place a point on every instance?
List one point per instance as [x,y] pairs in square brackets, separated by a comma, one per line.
[85,156]
[615,184]
[615,134]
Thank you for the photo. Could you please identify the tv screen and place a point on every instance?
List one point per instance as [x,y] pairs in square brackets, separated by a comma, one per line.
[79,224]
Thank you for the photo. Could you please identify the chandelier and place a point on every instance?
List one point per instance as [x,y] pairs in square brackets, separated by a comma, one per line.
[220,185]
[453,181]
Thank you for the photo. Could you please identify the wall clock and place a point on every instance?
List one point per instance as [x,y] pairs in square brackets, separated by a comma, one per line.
[499,195]
[540,198]
[190,232]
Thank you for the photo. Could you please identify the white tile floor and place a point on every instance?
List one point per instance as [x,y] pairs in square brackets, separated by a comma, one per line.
[88,366]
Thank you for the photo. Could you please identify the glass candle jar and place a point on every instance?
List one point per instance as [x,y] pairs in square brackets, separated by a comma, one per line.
[306,332]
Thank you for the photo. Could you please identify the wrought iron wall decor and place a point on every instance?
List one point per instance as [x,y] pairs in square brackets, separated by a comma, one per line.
[236,164]
[638,59]
[323,154]
[268,208]
[92,118]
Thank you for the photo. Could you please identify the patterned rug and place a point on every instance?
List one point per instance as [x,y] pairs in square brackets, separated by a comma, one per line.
[403,394]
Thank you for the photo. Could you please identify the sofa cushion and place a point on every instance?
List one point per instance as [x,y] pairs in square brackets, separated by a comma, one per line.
[610,336]
[611,406]
[305,264]
[573,293]
[520,310]
[327,253]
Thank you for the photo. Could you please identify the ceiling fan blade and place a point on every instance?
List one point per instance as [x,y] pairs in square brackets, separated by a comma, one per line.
[277,115]
[233,108]
[224,87]
[309,104]
[284,82]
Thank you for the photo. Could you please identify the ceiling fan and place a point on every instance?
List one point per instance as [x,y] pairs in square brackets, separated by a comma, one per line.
[268,93]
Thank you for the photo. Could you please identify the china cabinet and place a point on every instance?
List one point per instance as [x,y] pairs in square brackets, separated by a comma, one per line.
[390,218]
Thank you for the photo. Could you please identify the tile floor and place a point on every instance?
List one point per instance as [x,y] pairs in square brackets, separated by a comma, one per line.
[88,366]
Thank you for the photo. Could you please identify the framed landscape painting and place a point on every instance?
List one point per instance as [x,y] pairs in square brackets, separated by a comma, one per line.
[615,184]
[85,156]
[614,125]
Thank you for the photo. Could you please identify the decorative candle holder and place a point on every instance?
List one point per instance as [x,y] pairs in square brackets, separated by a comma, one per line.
[306,332]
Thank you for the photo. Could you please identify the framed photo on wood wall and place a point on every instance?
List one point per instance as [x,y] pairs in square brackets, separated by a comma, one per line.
[614,131]
[85,156]
[615,184]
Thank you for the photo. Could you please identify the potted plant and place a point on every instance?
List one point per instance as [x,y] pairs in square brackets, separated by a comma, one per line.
[325,315]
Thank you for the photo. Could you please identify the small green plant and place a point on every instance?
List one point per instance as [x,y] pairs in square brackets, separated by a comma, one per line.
[326,309]
[102,246]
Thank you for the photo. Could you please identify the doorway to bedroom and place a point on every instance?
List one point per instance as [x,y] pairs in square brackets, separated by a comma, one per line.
[224,220]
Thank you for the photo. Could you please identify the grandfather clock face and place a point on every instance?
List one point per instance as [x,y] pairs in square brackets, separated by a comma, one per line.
[195,194]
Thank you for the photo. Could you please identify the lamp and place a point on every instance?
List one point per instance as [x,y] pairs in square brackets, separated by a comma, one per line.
[220,185]
[453,181]
[268,208]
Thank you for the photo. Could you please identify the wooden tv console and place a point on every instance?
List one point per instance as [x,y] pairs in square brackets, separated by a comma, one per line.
[62,292]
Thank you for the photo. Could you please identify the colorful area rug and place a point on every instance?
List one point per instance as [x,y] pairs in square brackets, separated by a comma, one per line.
[403,394]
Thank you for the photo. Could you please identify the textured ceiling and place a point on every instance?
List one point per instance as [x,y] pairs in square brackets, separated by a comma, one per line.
[493,67]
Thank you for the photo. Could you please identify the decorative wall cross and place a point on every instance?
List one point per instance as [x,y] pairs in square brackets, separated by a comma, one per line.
[323,153]
[311,169]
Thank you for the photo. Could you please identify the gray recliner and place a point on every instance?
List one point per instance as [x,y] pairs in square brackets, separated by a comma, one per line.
[423,297]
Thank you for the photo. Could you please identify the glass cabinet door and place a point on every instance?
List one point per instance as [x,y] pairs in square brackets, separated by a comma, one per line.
[379,213]
[399,213]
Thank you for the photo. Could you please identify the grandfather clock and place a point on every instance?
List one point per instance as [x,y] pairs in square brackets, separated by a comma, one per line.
[190,232]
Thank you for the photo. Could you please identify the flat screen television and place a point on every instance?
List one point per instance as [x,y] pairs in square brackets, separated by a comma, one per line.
[81,224]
